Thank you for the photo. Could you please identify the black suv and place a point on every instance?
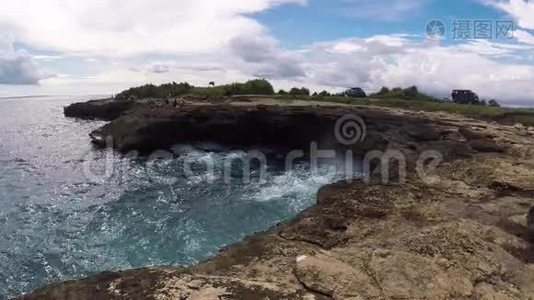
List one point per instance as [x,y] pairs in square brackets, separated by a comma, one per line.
[465,97]
[355,92]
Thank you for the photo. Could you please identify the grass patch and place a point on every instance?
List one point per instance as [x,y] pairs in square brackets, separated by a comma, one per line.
[509,116]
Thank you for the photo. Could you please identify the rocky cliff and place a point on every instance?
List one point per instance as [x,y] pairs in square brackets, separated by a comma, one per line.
[454,231]
[107,109]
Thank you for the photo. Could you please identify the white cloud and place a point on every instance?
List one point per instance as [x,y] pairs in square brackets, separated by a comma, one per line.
[373,62]
[377,61]
[114,28]
[17,67]
[262,57]
[493,49]
[379,44]
[524,37]
[193,36]
[159,68]
[521,10]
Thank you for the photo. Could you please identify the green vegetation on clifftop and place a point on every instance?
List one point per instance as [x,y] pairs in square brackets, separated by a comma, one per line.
[256,87]
[405,98]
[410,93]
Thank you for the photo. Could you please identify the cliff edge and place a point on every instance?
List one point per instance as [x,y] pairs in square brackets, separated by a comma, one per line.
[455,230]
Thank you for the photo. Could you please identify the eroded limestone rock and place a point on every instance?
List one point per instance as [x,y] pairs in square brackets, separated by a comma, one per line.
[458,236]
[530,222]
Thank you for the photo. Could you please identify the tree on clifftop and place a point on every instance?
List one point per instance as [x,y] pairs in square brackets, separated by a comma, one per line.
[411,92]
[251,87]
[299,92]
[152,91]
[494,103]
[383,91]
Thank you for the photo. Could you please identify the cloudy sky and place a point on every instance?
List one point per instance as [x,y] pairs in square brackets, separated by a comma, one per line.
[103,46]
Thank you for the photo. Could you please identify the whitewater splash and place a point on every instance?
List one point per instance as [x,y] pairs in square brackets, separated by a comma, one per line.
[295,187]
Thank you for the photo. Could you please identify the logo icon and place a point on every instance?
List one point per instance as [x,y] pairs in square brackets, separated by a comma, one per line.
[435,29]
[350,129]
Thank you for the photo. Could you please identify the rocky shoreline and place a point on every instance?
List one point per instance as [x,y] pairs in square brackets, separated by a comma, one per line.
[459,232]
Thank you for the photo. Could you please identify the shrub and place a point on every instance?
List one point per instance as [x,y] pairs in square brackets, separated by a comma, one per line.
[324,94]
[152,91]
[387,93]
[234,89]
[494,103]
[411,93]
[383,91]
[299,92]
[256,87]
[216,91]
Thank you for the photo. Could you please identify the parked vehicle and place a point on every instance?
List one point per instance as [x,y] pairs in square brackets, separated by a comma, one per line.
[465,97]
[355,92]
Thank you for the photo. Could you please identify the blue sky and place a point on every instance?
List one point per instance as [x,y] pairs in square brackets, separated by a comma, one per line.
[102,47]
[323,20]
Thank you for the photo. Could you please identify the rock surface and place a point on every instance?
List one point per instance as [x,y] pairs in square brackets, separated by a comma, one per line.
[147,128]
[530,222]
[107,109]
[458,231]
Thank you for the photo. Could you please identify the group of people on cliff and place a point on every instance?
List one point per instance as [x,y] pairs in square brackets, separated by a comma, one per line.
[166,103]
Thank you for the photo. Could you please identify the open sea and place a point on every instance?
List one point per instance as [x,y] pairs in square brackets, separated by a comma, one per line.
[68,210]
